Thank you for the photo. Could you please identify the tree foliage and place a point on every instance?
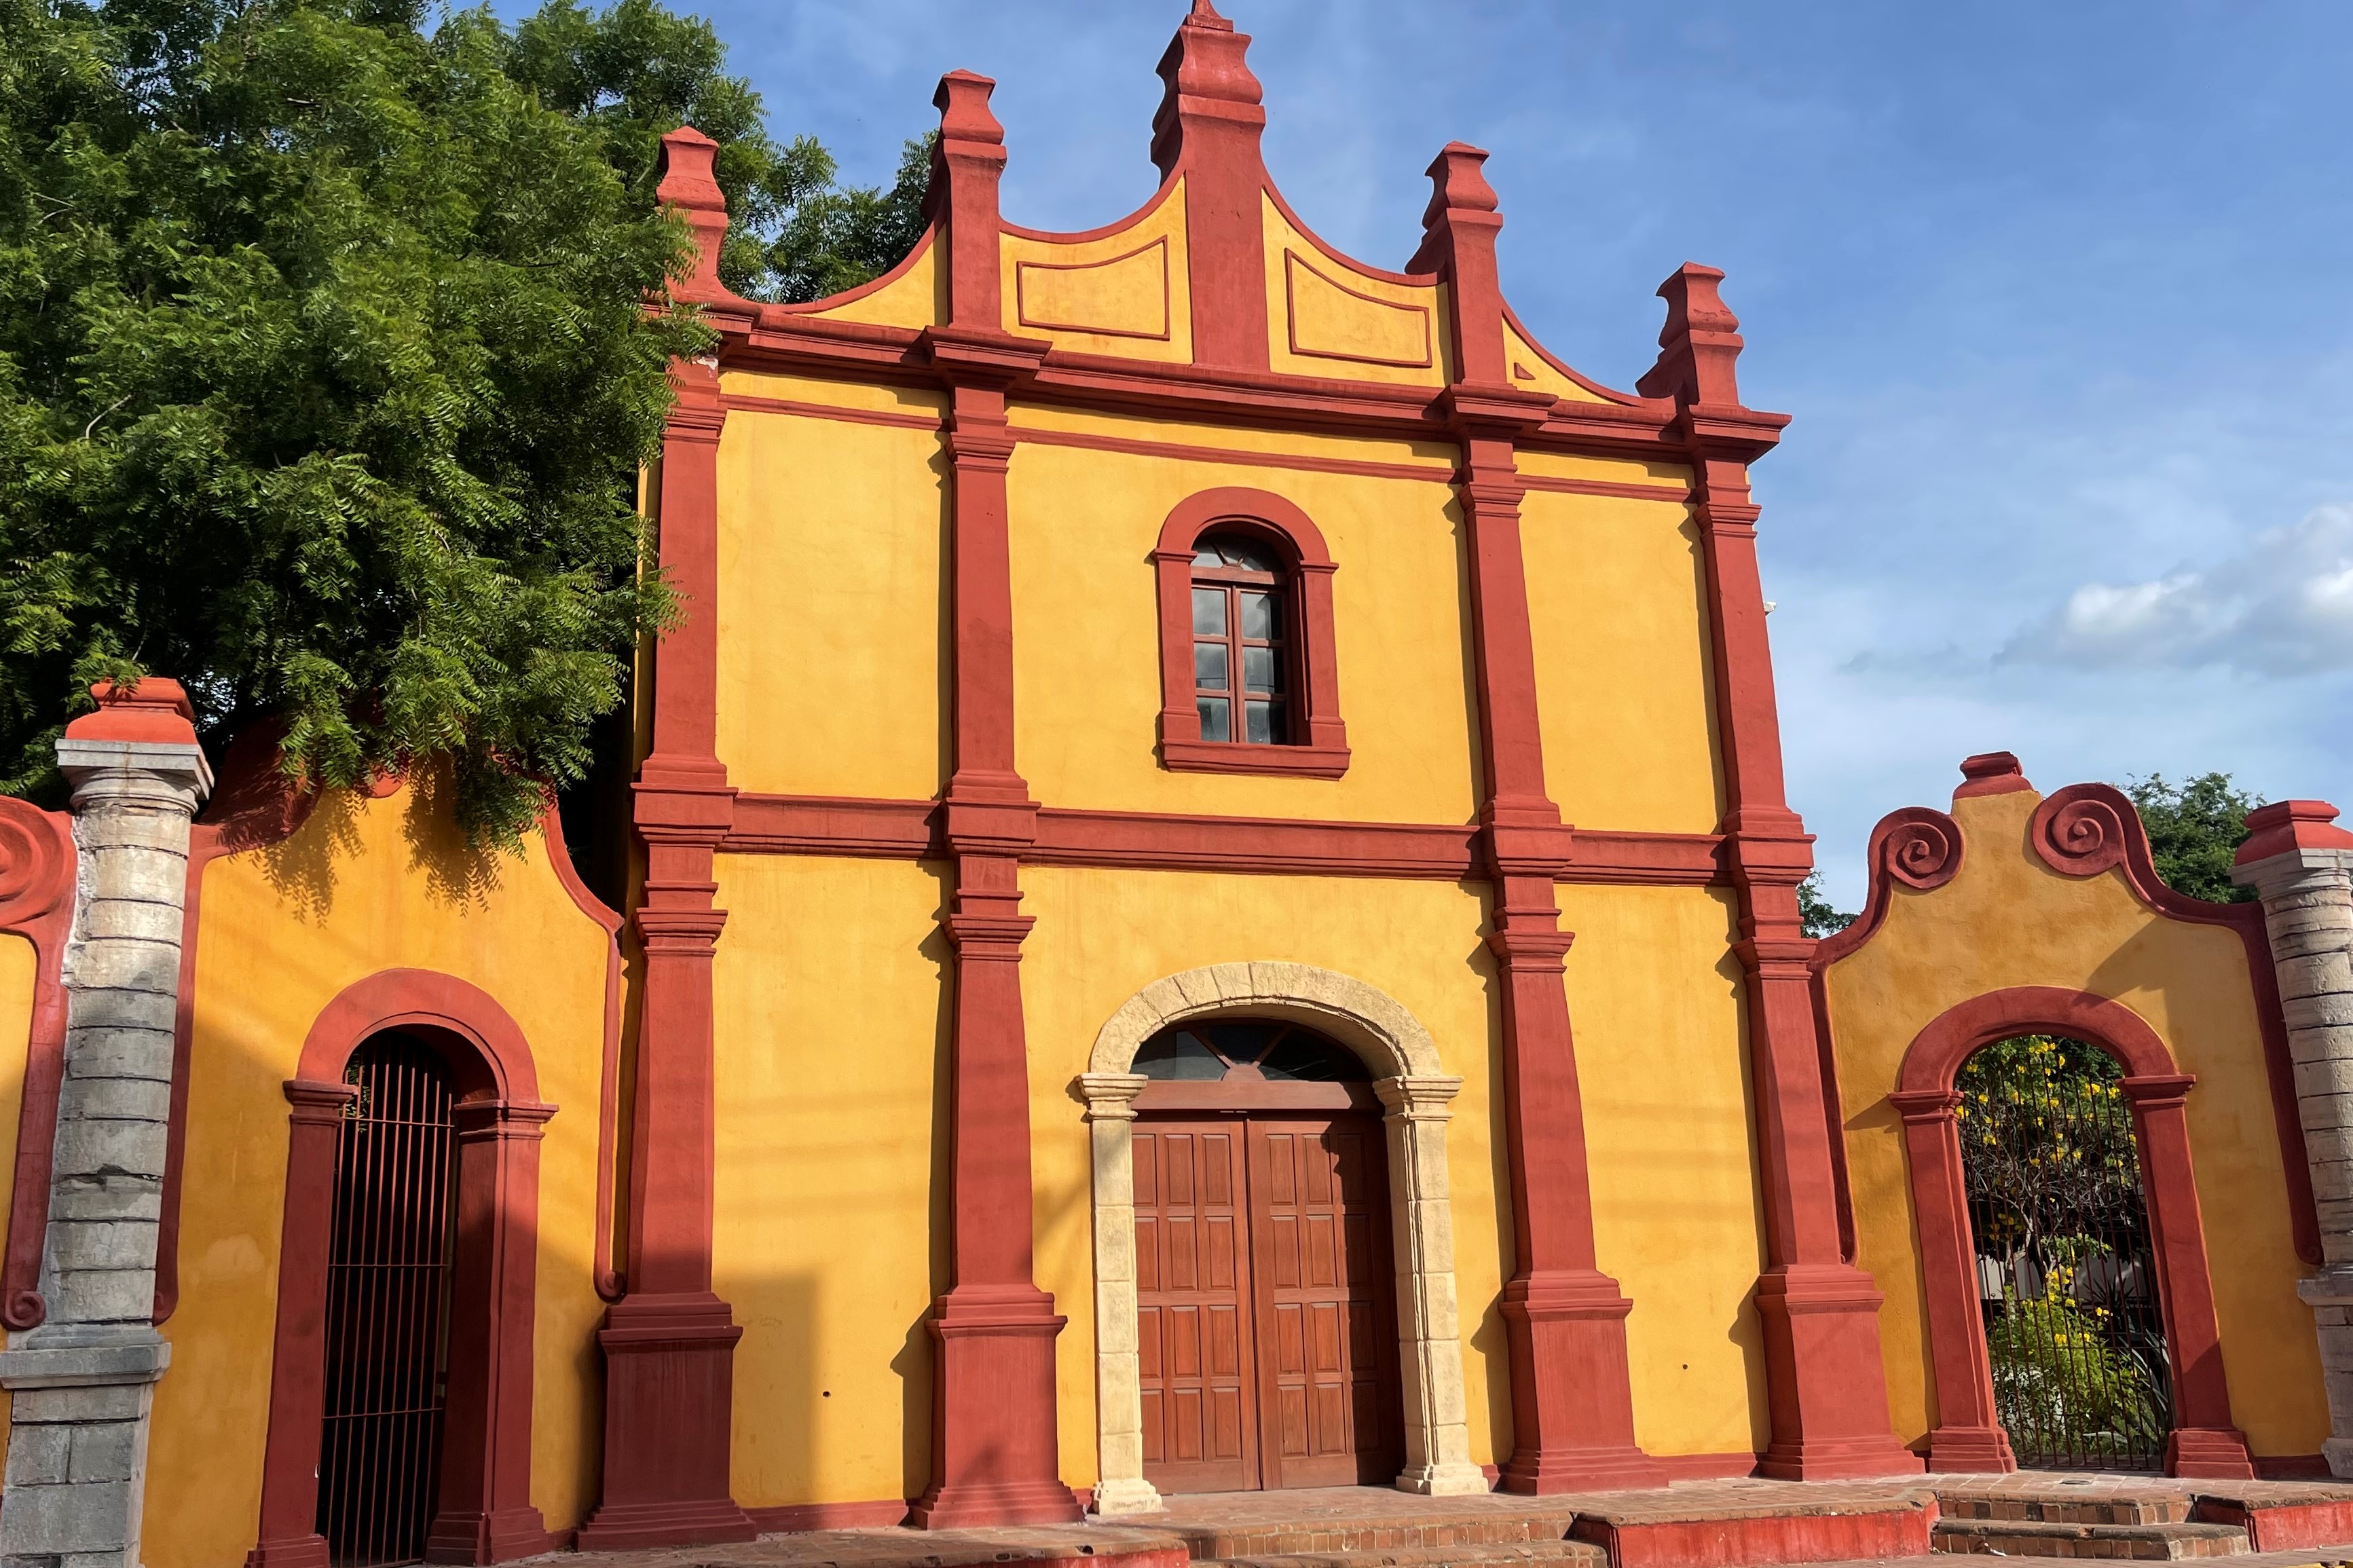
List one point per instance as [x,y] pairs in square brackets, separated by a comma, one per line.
[2194,829]
[326,369]
[1814,911]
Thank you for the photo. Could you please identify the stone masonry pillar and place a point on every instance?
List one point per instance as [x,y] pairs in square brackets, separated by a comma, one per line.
[2301,867]
[83,1380]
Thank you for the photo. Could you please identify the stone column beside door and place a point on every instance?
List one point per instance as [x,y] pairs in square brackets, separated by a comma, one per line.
[2301,865]
[82,1380]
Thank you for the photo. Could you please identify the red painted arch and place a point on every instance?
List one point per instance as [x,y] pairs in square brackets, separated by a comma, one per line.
[1968,1435]
[1325,751]
[485,1513]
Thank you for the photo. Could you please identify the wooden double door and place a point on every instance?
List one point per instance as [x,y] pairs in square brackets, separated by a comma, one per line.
[1264,1299]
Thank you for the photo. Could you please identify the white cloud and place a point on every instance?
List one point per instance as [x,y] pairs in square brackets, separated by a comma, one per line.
[2284,606]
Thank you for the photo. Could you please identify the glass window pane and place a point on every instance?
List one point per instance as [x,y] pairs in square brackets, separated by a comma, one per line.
[1305,1057]
[1214,723]
[1178,1054]
[1207,555]
[1239,1042]
[1209,666]
[1248,556]
[1210,612]
[1258,669]
[1260,616]
[1261,723]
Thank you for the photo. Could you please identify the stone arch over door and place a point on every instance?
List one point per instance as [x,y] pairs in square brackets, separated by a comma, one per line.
[1414,1093]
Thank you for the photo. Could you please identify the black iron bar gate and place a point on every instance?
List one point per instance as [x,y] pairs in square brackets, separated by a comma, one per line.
[2074,1328]
[387,1305]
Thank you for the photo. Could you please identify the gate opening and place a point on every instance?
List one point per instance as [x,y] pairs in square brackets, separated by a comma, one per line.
[388,1279]
[2075,1330]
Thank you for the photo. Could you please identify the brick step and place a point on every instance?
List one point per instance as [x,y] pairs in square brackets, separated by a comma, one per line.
[2062,1508]
[1490,1554]
[1334,1538]
[2161,1542]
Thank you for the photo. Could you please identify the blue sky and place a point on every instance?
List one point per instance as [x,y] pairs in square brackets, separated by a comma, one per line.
[2058,295]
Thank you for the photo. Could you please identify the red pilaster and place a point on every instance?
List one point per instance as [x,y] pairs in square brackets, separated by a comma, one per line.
[1968,1435]
[1208,127]
[485,1512]
[994,1458]
[1826,1383]
[1572,1400]
[670,1344]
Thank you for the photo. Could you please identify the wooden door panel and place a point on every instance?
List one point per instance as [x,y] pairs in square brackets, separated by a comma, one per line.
[1328,1365]
[1192,1274]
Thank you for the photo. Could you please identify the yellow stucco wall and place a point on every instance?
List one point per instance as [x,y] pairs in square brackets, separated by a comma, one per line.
[829,1007]
[2008,920]
[1618,614]
[365,885]
[1126,293]
[830,596]
[1327,316]
[17,971]
[1655,1003]
[1087,639]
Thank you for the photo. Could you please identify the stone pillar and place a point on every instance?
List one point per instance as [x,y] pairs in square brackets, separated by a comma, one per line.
[1438,1461]
[1120,1486]
[83,1378]
[2301,865]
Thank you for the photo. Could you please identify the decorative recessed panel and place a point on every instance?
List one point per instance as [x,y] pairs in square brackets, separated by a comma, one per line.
[1122,297]
[1329,320]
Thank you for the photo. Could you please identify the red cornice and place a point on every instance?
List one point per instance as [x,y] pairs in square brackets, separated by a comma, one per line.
[909,830]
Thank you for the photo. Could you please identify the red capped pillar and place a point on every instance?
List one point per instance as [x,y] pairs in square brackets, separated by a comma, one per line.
[1572,1397]
[995,1454]
[670,1342]
[1827,1387]
[1208,128]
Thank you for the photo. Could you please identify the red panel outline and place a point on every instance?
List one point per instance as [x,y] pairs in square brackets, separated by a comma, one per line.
[2204,1443]
[1021,298]
[1291,311]
[38,868]
[1324,754]
[485,1511]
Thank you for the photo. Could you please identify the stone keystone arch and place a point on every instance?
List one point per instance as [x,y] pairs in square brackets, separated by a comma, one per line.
[1416,1093]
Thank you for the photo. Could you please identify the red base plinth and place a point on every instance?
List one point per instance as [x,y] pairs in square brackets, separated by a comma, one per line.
[293,1552]
[1962,1450]
[1823,1374]
[2209,1454]
[995,1454]
[670,1373]
[1572,1403]
[498,1537]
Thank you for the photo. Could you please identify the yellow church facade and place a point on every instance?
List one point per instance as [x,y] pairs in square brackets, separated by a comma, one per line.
[1211,906]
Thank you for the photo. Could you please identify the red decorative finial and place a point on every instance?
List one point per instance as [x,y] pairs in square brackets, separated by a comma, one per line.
[1700,343]
[689,183]
[2288,825]
[1458,183]
[1990,772]
[1458,243]
[155,709]
[1208,86]
[968,162]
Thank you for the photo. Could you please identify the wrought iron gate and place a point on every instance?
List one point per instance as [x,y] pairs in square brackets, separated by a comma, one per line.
[2074,1328]
[387,1305]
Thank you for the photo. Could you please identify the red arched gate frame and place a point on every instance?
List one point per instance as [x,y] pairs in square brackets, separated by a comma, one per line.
[1968,1436]
[484,1512]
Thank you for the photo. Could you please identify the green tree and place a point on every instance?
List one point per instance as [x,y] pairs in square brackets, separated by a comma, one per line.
[1814,911]
[327,371]
[2194,829]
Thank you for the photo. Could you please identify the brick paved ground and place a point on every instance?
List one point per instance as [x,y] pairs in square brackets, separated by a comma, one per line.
[1235,1524]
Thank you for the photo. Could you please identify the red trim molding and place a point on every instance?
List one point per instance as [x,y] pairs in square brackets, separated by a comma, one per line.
[2087,828]
[485,1512]
[2204,1443]
[1827,1389]
[37,882]
[1324,753]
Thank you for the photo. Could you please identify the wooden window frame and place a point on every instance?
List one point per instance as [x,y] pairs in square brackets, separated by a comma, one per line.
[1317,743]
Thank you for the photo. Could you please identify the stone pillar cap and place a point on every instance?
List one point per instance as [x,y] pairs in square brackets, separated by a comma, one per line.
[153,710]
[2286,826]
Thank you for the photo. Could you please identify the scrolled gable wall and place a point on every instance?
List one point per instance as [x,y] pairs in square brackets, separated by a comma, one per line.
[364,885]
[2007,920]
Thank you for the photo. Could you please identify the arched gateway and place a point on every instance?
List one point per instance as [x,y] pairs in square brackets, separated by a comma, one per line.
[1413,1094]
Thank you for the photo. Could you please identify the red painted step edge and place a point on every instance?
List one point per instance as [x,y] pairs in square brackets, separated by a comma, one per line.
[1754,1542]
[2285,1528]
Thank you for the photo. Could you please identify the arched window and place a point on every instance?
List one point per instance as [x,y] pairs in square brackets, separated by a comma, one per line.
[1248,683]
[1242,654]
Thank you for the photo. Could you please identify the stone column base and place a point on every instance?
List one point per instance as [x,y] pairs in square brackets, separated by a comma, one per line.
[2330,1296]
[1445,1480]
[1127,1495]
[78,1442]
